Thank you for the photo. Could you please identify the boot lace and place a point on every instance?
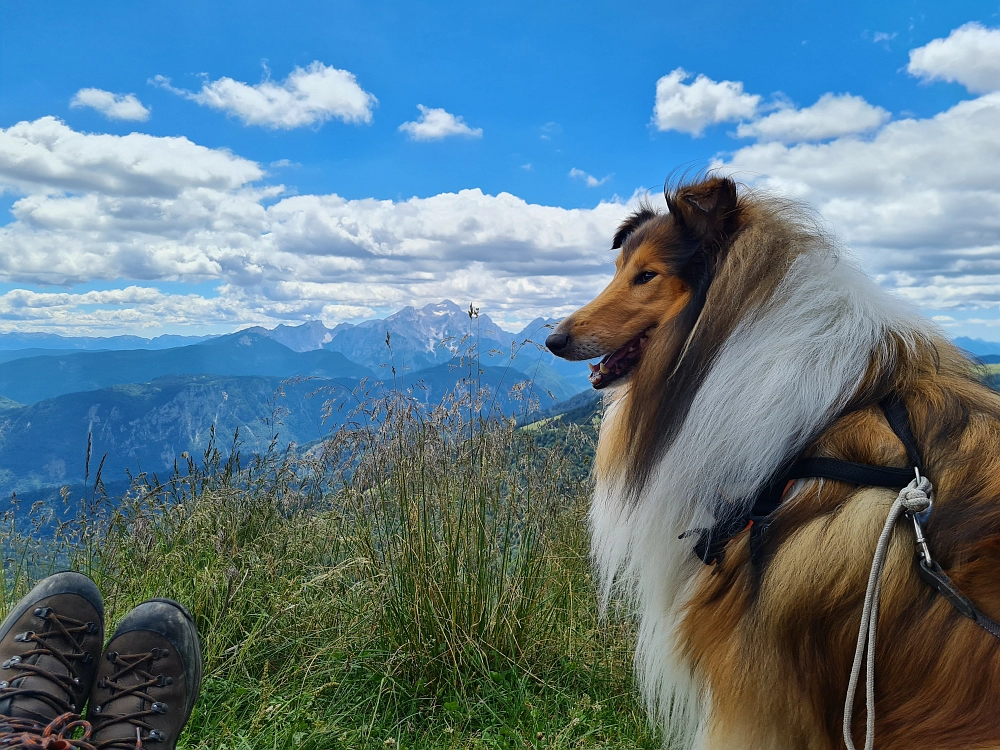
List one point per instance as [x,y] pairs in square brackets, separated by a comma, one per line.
[72,632]
[25,734]
[138,666]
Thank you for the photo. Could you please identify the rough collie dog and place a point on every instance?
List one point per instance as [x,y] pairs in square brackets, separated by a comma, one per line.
[735,342]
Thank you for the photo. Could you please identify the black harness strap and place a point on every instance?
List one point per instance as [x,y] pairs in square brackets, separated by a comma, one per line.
[938,580]
[711,544]
[898,418]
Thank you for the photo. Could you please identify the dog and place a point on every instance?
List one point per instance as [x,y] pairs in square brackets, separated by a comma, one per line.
[734,340]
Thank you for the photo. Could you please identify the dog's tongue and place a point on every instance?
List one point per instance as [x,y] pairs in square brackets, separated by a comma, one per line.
[606,367]
[617,355]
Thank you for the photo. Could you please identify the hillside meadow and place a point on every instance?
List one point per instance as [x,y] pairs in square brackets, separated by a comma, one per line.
[418,579]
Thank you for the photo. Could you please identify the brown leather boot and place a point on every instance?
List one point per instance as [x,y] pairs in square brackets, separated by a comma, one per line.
[49,645]
[148,680]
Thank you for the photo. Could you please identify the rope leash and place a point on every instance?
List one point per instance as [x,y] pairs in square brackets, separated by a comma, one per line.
[916,499]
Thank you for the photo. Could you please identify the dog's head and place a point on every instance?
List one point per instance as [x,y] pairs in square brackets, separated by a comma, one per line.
[662,274]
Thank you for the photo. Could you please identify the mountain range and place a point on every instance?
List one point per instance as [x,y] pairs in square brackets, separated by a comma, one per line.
[144,401]
[141,403]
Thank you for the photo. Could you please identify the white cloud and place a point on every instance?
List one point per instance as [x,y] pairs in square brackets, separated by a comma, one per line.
[919,202]
[435,124]
[883,36]
[133,308]
[47,155]
[309,96]
[590,180]
[93,210]
[690,108]
[833,116]
[112,106]
[970,55]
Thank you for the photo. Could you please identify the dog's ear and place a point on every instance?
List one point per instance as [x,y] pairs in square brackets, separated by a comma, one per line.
[709,211]
[633,222]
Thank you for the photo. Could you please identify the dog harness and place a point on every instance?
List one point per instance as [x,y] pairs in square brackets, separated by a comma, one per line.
[711,544]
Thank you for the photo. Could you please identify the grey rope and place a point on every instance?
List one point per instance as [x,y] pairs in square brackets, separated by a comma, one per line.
[914,498]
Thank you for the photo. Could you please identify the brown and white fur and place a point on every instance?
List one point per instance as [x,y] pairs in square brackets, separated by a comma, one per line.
[740,339]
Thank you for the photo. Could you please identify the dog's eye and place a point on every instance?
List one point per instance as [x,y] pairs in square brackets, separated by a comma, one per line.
[644,277]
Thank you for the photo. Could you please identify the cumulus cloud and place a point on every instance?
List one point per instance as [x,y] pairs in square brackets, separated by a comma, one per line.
[919,202]
[435,124]
[833,116]
[589,179]
[112,106]
[271,257]
[47,155]
[308,96]
[691,107]
[133,308]
[970,55]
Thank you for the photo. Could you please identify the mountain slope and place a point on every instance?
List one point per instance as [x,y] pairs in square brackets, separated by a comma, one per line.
[148,426]
[245,354]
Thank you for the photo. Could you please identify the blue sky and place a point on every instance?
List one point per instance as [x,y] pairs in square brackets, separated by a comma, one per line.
[273,178]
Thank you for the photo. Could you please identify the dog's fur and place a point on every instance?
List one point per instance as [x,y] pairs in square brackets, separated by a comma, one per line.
[759,338]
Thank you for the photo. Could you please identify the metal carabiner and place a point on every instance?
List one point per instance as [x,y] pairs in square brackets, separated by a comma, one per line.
[921,518]
[921,540]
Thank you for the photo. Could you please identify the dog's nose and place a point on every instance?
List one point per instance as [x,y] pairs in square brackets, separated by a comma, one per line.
[556,342]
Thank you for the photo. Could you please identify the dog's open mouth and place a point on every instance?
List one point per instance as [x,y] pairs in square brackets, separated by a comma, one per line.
[619,363]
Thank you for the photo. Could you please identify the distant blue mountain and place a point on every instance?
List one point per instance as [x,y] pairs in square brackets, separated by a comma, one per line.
[977,347]
[143,402]
[10,341]
[434,335]
[147,426]
[240,354]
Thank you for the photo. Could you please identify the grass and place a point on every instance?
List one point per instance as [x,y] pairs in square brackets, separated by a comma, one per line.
[417,580]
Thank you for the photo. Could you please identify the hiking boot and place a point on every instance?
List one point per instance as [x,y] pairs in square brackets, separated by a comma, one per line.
[148,680]
[49,644]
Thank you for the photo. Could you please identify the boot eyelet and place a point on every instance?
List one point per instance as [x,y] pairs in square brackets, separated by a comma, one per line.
[159,708]
[11,662]
[102,683]
[4,685]
[111,656]
[76,681]
[160,653]
[97,709]
[24,637]
[43,612]
[87,658]
[92,627]
[157,736]
[163,680]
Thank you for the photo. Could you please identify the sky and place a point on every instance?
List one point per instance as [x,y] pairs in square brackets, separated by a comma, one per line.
[196,167]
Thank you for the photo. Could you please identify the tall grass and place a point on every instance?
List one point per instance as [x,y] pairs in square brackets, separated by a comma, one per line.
[418,579]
